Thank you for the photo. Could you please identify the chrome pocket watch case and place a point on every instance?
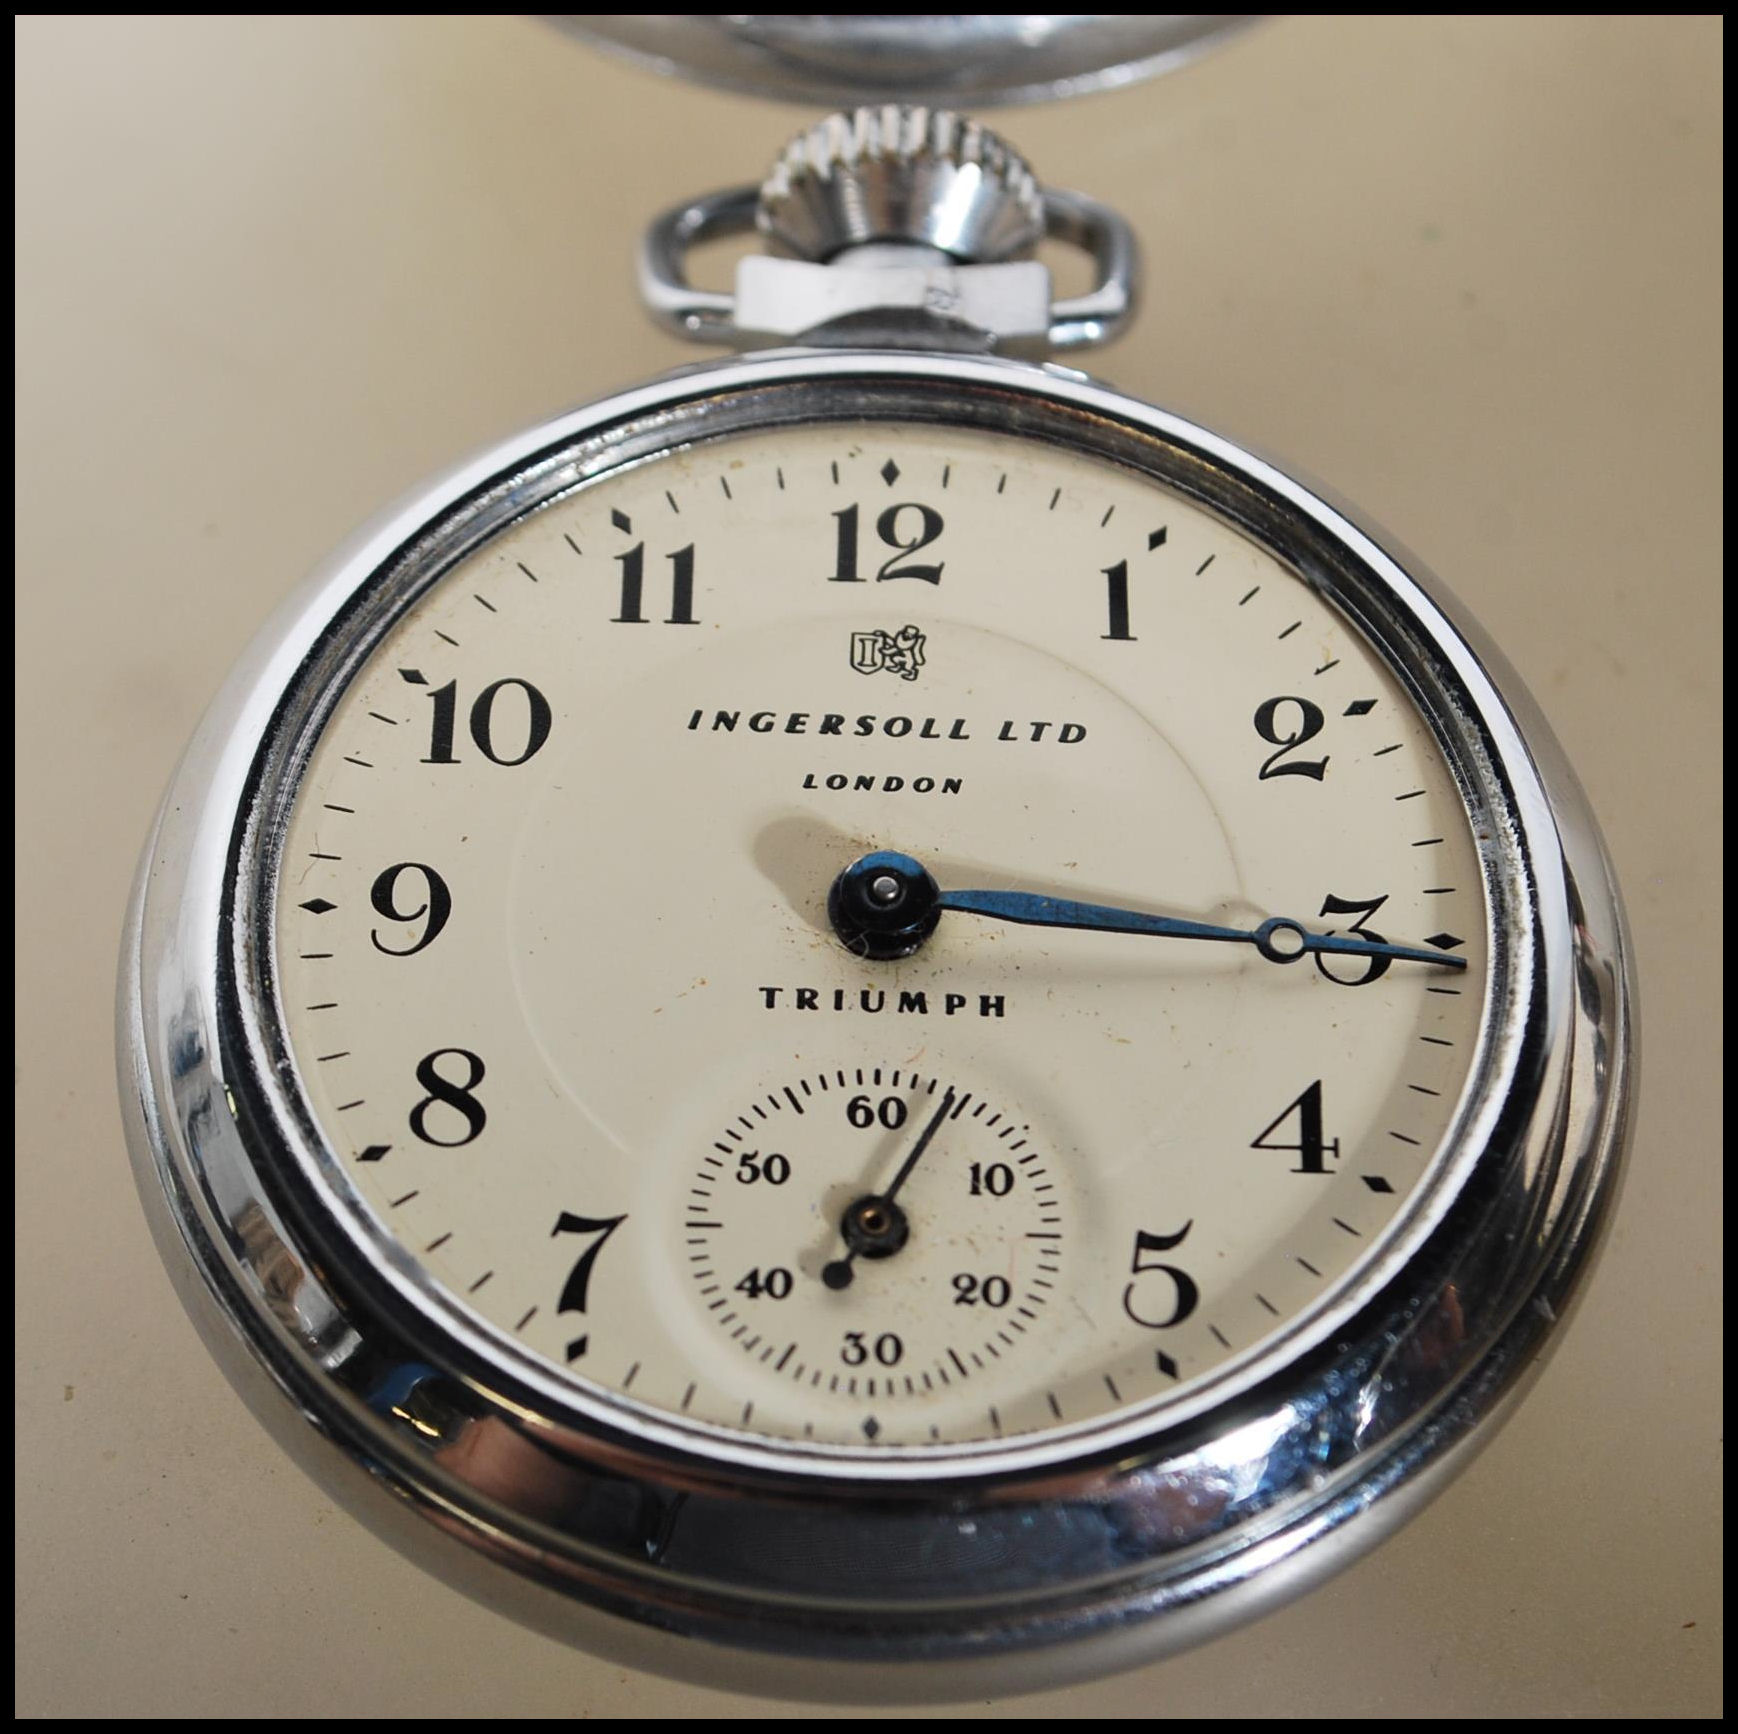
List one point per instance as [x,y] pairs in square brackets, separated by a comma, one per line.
[872,1022]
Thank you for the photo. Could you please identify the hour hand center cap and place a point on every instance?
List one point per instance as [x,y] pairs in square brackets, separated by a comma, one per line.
[884,905]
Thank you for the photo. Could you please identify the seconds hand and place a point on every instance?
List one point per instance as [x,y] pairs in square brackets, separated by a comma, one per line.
[875,1226]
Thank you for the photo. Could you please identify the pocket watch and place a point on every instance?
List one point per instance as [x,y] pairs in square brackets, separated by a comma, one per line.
[869,1021]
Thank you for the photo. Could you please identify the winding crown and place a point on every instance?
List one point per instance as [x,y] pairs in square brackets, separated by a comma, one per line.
[901,174]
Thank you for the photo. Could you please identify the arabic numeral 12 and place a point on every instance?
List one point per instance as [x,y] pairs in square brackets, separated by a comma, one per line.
[907,528]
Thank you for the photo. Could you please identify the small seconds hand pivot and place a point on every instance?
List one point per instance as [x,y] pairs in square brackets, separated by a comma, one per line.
[874,1225]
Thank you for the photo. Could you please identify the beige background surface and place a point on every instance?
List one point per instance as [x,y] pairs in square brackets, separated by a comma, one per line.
[273,271]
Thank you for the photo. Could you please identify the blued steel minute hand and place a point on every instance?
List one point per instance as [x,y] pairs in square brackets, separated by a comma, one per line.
[1279,938]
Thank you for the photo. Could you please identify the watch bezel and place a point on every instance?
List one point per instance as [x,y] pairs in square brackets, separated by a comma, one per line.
[1344,1425]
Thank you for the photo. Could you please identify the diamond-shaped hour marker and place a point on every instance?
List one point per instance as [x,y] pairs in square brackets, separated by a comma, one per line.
[1376,1183]
[1156,538]
[1360,707]
[373,1153]
[415,676]
[621,520]
[1165,1364]
[317,906]
[871,1428]
[890,472]
[1444,941]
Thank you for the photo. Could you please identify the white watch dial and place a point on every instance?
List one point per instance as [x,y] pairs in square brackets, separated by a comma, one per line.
[554,955]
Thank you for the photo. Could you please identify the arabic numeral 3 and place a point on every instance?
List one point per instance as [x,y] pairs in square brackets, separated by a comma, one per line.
[1370,969]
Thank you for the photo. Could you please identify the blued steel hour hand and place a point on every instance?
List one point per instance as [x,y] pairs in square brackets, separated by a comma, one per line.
[886,905]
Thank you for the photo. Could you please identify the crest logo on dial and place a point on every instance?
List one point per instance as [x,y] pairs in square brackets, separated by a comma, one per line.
[881,652]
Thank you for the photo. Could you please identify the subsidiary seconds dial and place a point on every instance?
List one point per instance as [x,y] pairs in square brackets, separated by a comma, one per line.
[878,1237]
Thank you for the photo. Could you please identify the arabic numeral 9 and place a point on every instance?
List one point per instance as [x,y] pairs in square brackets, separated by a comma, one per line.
[436,906]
